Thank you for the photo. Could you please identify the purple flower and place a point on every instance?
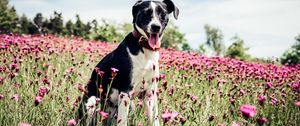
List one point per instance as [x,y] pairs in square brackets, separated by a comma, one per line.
[43,91]
[262,120]
[261,99]
[269,85]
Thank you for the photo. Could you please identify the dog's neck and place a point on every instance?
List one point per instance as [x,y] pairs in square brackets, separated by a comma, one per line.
[143,41]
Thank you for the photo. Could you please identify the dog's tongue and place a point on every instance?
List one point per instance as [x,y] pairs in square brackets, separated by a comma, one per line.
[154,41]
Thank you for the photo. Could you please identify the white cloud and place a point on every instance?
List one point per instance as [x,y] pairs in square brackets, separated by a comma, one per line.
[267,26]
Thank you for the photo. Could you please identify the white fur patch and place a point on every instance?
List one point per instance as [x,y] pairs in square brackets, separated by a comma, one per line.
[114,96]
[90,109]
[141,31]
[155,20]
[145,68]
[91,105]
[123,109]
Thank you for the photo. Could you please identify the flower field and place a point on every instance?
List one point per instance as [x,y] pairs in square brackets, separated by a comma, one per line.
[43,77]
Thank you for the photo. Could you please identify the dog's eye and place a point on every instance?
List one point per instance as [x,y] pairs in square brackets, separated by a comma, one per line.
[163,16]
[147,12]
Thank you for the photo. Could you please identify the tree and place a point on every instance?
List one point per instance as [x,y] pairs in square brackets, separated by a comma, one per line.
[79,27]
[55,26]
[214,39]
[201,49]
[108,32]
[94,25]
[173,37]
[8,17]
[186,47]
[69,28]
[237,49]
[292,56]
[24,24]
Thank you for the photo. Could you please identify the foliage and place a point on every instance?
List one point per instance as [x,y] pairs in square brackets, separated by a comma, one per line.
[237,49]
[173,37]
[55,25]
[108,32]
[8,18]
[186,47]
[214,39]
[197,90]
[201,49]
[292,56]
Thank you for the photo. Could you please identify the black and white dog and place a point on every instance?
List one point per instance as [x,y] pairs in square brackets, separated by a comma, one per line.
[136,58]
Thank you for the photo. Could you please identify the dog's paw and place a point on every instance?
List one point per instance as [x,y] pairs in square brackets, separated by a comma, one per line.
[91,105]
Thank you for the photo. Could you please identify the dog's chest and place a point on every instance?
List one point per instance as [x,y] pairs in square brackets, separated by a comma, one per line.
[145,69]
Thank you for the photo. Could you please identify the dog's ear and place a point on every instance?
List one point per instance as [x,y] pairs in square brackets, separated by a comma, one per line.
[135,9]
[172,8]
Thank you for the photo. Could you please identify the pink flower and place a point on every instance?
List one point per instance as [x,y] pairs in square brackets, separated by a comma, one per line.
[38,100]
[169,115]
[261,99]
[68,98]
[103,114]
[15,97]
[174,114]
[262,120]
[140,103]
[297,103]
[235,124]
[1,79]
[166,116]
[24,124]
[242,91]
[43,91]
[273,102]
[140,124]
[72,122]
[194,98]
[295,85]
[269,85]
[114,72]
[1,96]
[99,72]
[248,110]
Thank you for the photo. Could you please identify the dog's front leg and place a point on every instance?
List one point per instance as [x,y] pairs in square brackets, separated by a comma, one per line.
[123,108]
[152,105]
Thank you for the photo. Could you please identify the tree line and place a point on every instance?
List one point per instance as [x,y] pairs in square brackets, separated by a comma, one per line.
[238,50]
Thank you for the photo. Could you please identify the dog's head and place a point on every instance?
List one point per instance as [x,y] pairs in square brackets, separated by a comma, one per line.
[151,17]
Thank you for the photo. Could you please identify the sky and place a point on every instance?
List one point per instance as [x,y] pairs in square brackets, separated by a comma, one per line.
[268,27]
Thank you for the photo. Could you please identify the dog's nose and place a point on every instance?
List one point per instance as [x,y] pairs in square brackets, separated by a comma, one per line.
[155,28]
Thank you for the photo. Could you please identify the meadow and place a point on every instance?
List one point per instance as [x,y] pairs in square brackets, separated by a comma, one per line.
[42,79]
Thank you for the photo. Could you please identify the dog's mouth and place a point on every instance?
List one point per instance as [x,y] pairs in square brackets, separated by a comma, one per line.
[154,41]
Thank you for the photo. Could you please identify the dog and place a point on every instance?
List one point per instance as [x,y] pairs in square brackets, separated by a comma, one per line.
[132,69]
